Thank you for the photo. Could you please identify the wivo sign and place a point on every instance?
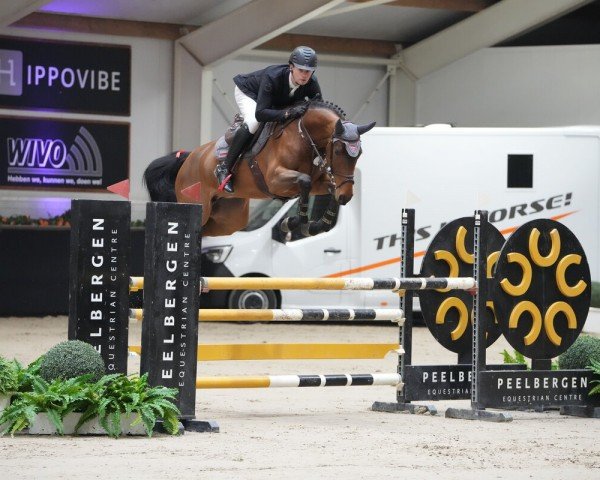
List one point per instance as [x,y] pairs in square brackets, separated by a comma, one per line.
[67,154]
[65,76]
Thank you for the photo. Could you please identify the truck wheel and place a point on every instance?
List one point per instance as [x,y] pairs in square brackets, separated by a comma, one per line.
[260,299]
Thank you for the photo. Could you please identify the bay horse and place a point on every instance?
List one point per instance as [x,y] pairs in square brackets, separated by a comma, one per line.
[312,155]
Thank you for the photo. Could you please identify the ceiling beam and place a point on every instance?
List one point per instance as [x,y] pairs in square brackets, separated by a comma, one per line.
[12,10]
[355,7]
[249,26]
[350,46]
[103,26]
[222,8]
[168,31]
[501,21]
[457,5]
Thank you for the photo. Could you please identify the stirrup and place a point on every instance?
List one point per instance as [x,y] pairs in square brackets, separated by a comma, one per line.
[226,185]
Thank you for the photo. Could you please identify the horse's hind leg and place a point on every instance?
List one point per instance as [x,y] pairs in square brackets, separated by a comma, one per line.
[228,215]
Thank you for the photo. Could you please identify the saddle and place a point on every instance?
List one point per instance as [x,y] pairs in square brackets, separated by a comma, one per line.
[258,142]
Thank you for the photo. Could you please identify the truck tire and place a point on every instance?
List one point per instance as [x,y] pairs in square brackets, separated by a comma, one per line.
[261,299]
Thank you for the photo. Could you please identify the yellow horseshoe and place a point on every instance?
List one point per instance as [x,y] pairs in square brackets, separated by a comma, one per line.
[521,288]
[554,309]
[536,327]
[465,256]
[561,268]
[534,251]
[489,304]
[447,257]
[491,261]
[463,316]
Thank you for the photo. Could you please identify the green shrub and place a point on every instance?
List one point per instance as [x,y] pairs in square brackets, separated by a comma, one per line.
[9,376]
[580,355]
[595,366]
[71,359]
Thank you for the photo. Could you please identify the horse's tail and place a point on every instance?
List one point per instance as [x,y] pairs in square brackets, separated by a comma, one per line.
[159,177]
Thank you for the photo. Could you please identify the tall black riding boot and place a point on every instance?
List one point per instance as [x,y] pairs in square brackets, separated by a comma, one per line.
[225,166]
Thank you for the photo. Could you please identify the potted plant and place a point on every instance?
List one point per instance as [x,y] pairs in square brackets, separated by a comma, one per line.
[45,408]
[118,404]
[9,382]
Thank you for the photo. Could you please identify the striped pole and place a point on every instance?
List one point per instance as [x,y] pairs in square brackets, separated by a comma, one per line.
[279,381]
[267,283]
[208,352]
[290,314]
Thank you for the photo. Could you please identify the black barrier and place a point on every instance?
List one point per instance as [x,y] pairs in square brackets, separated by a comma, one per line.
[99,279]
[536,388]
[171,281]
[542,288]
[541,273]
[448,313]
[437,382]
[550,280]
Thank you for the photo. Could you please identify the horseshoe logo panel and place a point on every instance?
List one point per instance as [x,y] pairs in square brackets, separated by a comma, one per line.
[448,313]
[542,289]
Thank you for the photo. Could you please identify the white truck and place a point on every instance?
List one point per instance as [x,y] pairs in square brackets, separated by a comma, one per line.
[517,174]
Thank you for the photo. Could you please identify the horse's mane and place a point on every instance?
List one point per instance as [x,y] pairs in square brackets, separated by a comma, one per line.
[320,103]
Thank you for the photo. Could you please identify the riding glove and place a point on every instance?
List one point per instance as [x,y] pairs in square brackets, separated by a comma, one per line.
[294,112]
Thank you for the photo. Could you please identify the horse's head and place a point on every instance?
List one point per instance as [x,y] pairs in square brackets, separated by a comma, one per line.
[342,154]
[336,143]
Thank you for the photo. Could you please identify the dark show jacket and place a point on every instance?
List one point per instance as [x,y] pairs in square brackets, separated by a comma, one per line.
[270,88]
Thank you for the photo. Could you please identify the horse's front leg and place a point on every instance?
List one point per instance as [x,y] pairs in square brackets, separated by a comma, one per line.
[292,223]
[325,223]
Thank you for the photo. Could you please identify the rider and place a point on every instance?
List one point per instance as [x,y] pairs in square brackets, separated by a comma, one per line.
[267,96]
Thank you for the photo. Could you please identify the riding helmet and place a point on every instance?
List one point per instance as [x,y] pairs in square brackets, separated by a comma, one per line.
[304,58]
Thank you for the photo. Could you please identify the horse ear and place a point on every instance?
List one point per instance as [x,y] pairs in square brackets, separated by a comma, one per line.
[339,128]
[365,128]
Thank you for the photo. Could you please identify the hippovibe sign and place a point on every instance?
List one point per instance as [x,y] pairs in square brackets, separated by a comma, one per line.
[67,154]
[171,299]
[65,76]
[98,284]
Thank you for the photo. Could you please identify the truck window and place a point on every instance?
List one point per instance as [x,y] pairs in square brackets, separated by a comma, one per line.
[261,212]
[316,208]
[520,171]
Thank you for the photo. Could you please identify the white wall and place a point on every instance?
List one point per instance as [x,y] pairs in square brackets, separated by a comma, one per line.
[514,87]
[150,122]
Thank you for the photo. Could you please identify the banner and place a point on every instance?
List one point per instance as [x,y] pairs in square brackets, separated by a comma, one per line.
[65,76]
[67,154]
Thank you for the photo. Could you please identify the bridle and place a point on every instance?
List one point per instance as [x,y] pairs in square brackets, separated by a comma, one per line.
[347,178]
[323,163]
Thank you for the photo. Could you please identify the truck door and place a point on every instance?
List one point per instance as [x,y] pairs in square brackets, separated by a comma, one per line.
[312,257]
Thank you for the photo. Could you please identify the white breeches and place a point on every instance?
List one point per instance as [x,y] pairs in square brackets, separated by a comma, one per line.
[247,109]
